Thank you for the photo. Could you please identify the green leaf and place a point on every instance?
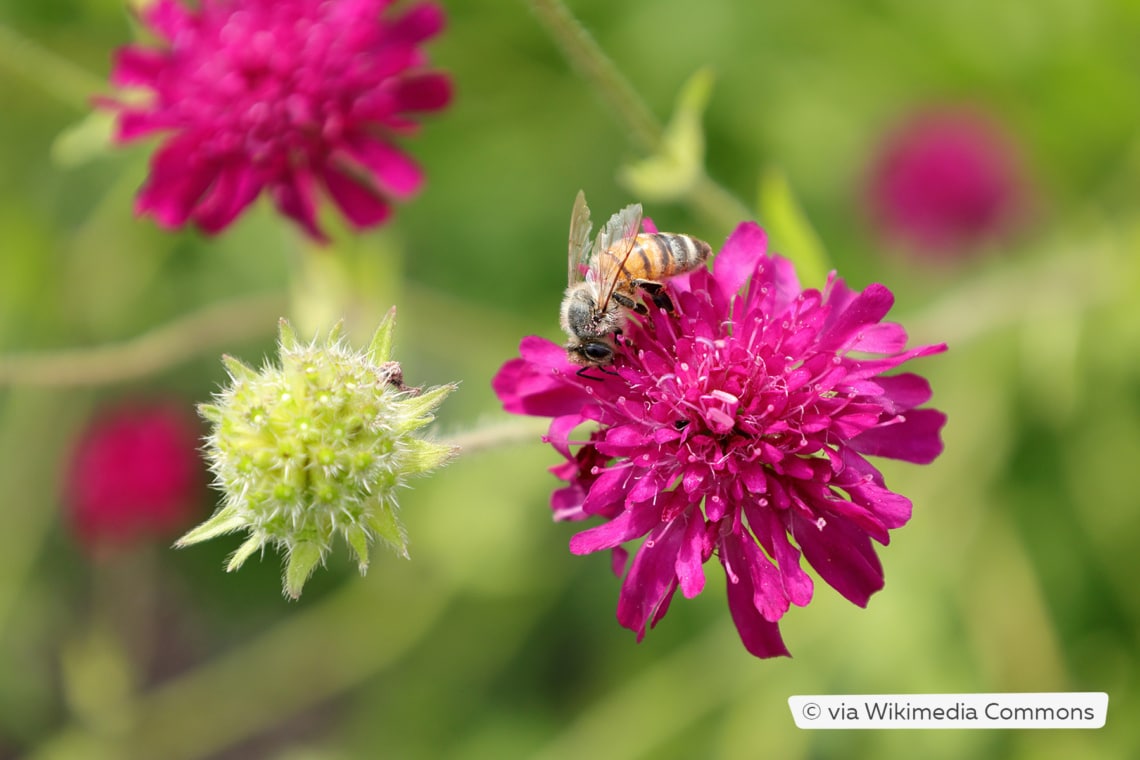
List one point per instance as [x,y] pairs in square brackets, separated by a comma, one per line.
[225,520]
[380,349]
[678,164]
[790,231]
[357,538]
[336,333]
[286,336]
[238,369]
[83,141]
[303,559]
[382,520]
[211,413]
[238,558]
[415,411]
[424,456]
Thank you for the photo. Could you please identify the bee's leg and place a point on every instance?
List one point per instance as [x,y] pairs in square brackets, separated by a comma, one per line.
[656,292]
[582,372]
[629,303]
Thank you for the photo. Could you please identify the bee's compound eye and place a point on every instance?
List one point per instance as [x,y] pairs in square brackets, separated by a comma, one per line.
[597,352]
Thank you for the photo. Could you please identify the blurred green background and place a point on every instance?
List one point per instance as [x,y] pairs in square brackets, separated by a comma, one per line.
[1016,573]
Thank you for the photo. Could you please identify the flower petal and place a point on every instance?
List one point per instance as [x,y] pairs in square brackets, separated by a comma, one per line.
[133,65]
[293,195]
[904,391]
[691,554]
[168,18]
[528,387]
[362,205]
[738,258]
[760,637]
[421,22]
[651,581]
[770,532]
[867,308]
[424,92]
[630,524]
[842,555]
[176,184]
[391,169]
[914,438]
[235,188]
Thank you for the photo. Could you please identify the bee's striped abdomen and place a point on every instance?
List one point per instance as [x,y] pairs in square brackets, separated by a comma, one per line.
[656,257]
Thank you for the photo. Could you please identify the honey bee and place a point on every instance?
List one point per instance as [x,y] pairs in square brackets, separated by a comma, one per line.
[604,279]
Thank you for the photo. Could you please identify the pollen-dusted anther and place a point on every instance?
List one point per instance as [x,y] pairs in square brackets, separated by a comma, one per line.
[317,446]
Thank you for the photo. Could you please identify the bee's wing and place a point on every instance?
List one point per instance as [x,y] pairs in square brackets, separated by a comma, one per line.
[579,240]
[619,231]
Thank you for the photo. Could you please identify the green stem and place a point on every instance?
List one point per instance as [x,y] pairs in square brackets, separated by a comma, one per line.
[163,347]
[599,71]
[57,76]
[495,435]
[355,277]
[713,202]
[707,198]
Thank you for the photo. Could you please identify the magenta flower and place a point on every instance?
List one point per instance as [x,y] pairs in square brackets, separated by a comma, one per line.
[737,426]
[945,181]
[134,474]
[279,95]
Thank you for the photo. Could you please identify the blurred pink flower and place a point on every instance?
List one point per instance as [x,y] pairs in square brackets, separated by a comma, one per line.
[134,474]
[736,426]
[945,181]
[278,95]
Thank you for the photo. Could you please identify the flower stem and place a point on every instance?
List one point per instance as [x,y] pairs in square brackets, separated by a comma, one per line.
[158,349]
[712,201]
[54,74]
[498,434]
[585,55]
[707,198]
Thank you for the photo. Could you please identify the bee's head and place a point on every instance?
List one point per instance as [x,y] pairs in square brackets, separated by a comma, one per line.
[579,312]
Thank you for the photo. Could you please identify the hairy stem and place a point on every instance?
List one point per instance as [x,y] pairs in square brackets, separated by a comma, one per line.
[498,434]
[163,347]
[591,62]
[707,198]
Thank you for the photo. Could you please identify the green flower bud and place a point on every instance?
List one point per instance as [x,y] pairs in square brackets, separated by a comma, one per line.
[317,447]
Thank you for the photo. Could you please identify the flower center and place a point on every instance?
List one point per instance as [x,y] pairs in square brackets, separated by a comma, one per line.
[277,88]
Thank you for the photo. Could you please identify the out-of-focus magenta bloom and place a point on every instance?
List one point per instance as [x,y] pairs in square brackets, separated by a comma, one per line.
[134,474]
[285,96]
[946,180]
[737,426]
